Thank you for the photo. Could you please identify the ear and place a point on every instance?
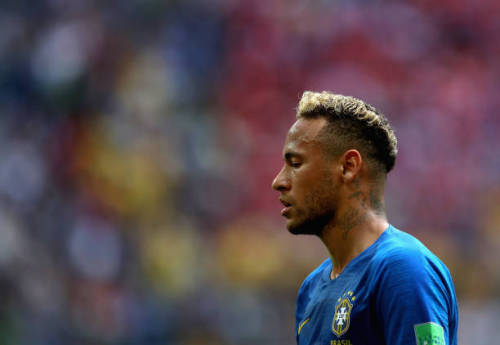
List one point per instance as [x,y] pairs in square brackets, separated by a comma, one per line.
[351,165]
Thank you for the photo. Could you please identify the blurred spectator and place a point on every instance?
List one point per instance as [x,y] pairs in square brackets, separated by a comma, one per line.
[139,140]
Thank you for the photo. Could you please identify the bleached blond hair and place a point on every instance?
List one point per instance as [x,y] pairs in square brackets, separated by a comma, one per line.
[352,123]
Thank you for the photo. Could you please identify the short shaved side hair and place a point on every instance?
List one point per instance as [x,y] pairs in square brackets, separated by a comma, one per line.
[352,124]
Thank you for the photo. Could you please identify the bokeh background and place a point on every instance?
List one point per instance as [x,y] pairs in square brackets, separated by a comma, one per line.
[139,139]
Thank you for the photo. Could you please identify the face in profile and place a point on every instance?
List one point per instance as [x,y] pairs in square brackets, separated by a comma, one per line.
[306,181]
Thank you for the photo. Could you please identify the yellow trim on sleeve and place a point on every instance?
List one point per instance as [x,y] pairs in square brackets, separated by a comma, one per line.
[302,325]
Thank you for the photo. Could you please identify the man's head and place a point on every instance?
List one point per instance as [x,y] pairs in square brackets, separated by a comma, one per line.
[335,142]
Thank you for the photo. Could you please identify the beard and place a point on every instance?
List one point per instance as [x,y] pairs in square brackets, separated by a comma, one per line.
[318,211]
[312,225]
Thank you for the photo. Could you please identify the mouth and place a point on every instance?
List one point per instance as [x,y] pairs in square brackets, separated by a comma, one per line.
[288,206]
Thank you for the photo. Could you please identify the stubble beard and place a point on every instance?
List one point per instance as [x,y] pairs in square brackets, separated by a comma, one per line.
[319,211]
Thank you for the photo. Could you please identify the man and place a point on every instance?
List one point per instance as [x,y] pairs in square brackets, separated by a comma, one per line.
[380,285]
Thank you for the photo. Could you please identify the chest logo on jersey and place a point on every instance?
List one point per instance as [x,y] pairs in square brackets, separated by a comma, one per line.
[342,316]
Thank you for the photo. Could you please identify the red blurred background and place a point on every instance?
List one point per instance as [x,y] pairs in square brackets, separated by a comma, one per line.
[139,140]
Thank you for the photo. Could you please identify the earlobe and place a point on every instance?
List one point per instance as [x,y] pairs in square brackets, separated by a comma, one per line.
[349,175]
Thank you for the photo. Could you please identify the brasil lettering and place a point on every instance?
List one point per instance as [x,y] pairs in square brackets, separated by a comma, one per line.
[340,342]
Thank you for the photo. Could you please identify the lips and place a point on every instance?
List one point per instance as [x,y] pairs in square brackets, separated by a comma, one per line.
[288,206]
[285,203]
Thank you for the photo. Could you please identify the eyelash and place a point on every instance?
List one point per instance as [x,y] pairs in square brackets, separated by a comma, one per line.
[295,165]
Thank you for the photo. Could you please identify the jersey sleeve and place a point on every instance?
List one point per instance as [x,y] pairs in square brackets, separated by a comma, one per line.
[415,300]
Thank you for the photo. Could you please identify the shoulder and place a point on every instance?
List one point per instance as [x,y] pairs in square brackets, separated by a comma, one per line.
[308,288]
[402,250]
[313,279]
[402,261]
[411,286]
[315,275]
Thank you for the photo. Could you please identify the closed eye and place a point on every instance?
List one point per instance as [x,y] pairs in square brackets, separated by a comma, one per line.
[293,159]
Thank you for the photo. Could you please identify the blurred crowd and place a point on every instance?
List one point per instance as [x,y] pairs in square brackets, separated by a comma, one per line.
[139,140]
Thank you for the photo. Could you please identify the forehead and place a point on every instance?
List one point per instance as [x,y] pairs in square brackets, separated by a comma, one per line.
[304,131]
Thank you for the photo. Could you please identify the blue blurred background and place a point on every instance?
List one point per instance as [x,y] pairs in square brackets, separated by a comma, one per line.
[139,139]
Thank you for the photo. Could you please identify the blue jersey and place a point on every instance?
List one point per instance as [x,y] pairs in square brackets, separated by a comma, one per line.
[395,292]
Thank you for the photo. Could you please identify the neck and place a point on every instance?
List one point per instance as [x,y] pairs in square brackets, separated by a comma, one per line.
[355,227]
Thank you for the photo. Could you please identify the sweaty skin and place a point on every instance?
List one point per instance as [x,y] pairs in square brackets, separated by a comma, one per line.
[308,201]
[331,197]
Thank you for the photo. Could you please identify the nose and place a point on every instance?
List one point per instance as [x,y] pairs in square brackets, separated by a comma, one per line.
[281,181]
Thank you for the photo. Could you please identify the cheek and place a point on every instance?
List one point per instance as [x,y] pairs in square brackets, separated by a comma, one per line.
[315,199]
[312,185]
[322,194]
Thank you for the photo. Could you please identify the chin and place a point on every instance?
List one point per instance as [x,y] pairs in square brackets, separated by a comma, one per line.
[310,226]
[300,229]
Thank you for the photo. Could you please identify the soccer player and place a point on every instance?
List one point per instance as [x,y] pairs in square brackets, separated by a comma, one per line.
[380,285]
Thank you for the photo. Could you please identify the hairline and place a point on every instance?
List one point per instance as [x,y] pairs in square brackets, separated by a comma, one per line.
[332,148]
